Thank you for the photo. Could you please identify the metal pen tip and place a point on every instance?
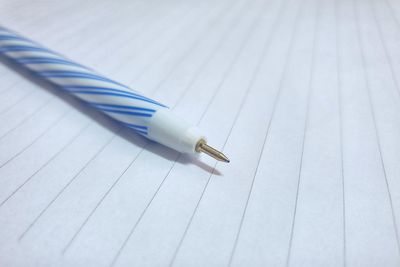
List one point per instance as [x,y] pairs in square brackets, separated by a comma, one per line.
[218,155]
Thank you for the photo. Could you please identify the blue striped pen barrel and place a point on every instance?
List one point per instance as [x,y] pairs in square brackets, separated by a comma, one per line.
[130,108]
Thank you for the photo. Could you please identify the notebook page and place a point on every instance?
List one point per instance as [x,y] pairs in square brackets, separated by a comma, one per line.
[302,95]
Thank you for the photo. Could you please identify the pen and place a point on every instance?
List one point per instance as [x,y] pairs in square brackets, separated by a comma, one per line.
[144,115]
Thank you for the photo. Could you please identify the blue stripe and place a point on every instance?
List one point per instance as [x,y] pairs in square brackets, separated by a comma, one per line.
[118,92]
[2,28]
[45,60]
[138,130]
[120,107]
[11,48]
[4,37]
[78,87]
[76,74]
[130,125]
[113,90]
[114,94]
[139,114]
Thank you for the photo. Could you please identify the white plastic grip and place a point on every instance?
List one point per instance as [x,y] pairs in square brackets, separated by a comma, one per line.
[168,129]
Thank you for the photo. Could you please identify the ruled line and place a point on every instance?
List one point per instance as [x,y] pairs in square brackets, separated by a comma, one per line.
[99,203]
[37,19]
[207,60]
[16,104]
[131,36]
[60,118]
[222,14]
[386,50]
[138,33]
[231,65]
[43,211]
[46,163]
[86,47]
[60,10]
[77,25]
[394,15]
[341,130]
[205,63]
[18,101]
[12,87]
[124,243]
[158,32]
[306,122]
[373,116]
[34,112]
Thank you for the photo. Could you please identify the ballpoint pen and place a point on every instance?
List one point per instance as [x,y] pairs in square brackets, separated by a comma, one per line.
[131,109]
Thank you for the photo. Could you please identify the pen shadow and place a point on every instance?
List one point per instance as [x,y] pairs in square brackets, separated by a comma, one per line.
[105,121]
[186,159]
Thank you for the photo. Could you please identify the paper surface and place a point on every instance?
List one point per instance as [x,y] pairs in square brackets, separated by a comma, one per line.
[302,95]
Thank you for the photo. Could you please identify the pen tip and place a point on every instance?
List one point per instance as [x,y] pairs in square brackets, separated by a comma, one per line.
[218,155]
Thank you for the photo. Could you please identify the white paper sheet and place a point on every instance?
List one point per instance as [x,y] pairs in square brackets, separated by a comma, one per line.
[302,95]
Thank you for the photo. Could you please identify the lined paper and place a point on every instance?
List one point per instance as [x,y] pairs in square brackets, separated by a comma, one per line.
[303,95]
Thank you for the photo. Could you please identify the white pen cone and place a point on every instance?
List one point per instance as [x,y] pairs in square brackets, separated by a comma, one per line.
[168,129]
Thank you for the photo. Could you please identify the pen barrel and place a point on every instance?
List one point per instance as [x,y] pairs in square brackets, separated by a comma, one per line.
[130,108]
